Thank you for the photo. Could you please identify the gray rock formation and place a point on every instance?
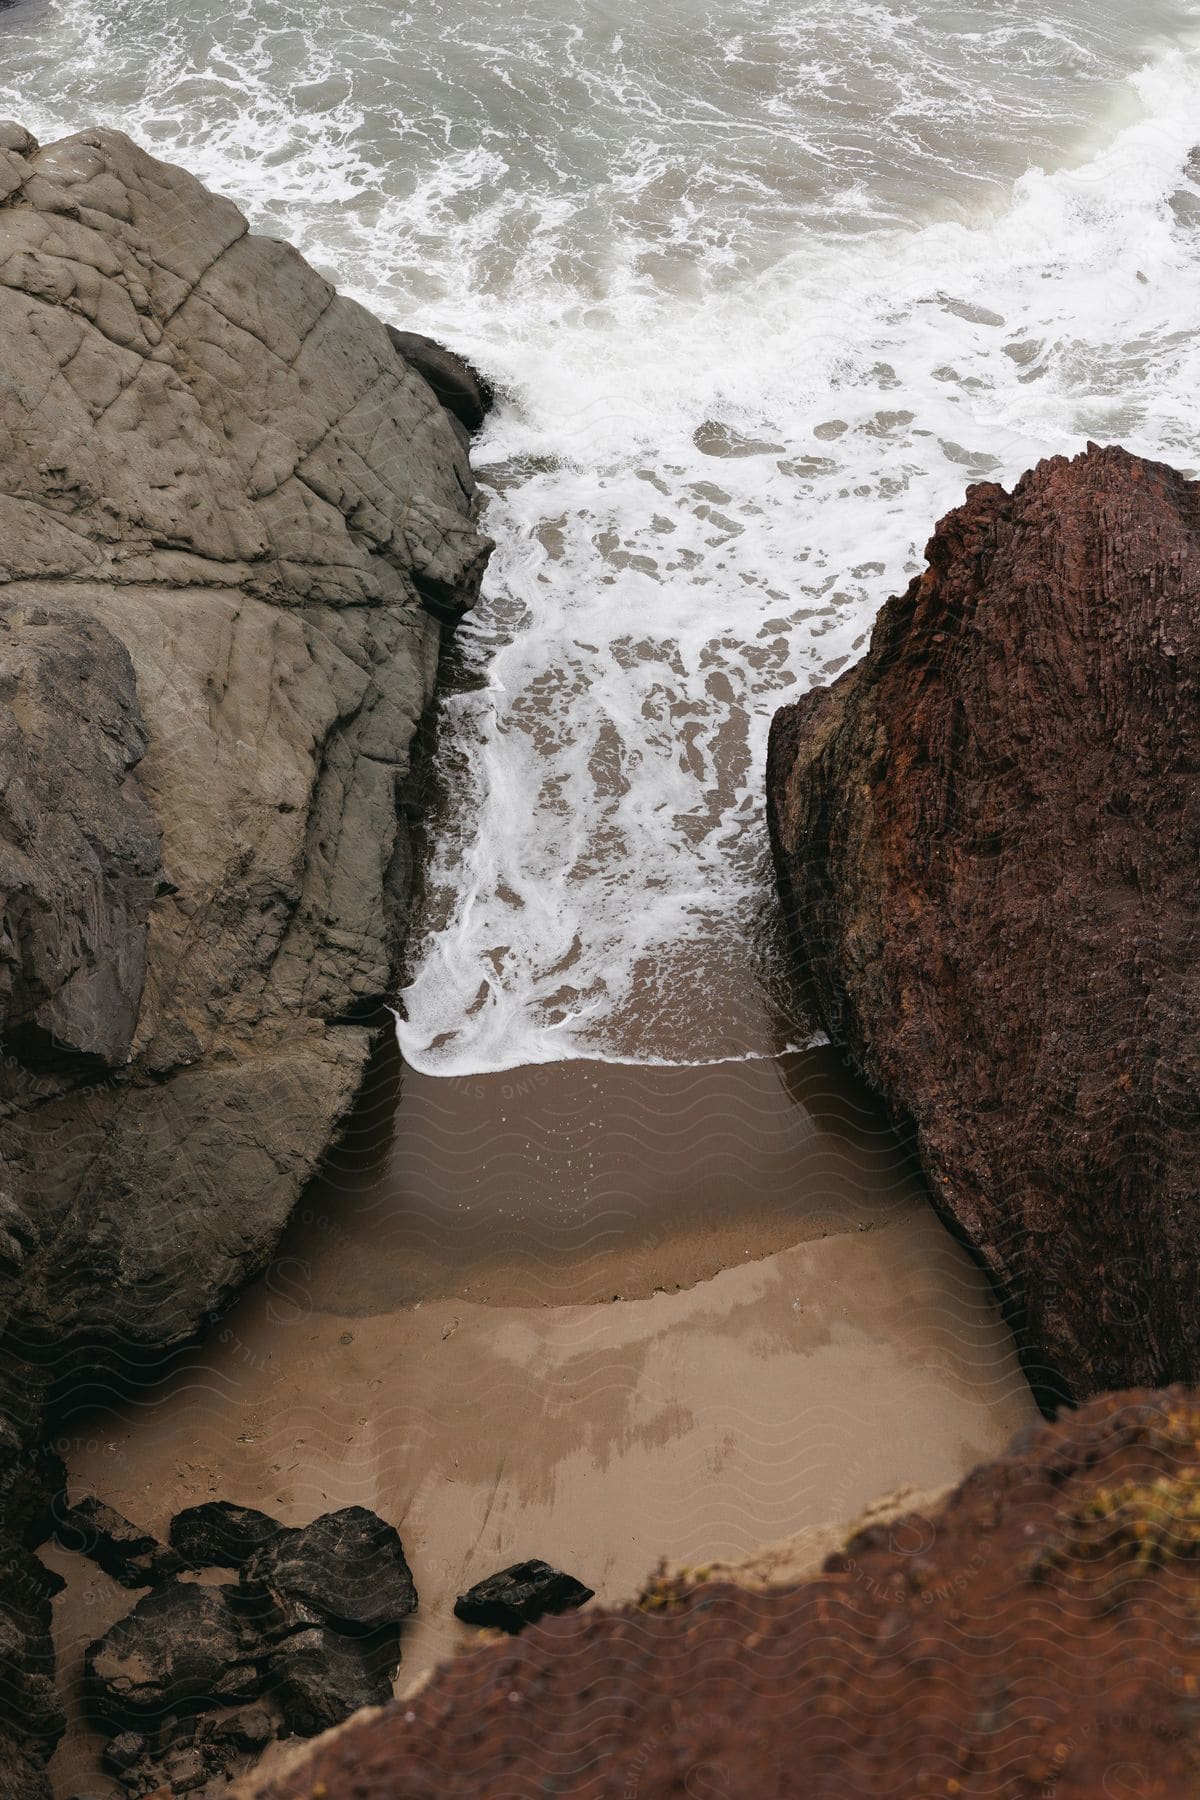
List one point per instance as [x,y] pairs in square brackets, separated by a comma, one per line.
[461,389]
[231,520]
[79,846]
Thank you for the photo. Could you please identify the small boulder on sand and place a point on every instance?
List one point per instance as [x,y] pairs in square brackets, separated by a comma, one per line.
[520,1595]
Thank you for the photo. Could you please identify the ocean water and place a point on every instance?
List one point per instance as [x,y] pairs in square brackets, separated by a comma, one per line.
[763,285]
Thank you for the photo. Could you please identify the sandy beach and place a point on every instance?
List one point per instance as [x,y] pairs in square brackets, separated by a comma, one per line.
[438,1339]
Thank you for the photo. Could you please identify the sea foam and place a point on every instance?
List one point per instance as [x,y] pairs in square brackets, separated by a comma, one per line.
[763,288]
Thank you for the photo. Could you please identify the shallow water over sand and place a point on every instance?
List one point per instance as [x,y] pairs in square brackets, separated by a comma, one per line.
[564,1183]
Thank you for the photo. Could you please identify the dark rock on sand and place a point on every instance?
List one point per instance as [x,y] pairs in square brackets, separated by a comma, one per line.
[248,1728]
[309,1634]
[318,1677]
[347,1569]
[220,1534]
[987,835]
[1035,1636]
[520,1595]
[124,1751]
[183,1753]
[230,529]
[182,1648]
[131,1556]
[461,389]
[306,1637]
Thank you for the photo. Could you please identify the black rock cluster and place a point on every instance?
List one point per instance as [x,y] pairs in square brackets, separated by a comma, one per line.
[203,1672]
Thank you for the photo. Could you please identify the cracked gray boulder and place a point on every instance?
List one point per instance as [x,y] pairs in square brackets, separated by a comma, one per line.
[223,501]
[232,519]
[461,389]
[79,845]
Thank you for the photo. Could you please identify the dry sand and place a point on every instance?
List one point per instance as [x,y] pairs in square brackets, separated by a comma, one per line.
[438,1340]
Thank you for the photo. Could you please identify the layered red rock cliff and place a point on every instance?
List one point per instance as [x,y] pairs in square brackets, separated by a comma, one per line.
[987,835]
[1035,1638]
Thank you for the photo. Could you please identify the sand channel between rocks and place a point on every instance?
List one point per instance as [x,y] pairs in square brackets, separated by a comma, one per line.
[511,1411]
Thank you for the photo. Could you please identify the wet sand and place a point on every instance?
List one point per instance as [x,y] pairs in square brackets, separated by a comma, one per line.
[580,1181]
[438,1339]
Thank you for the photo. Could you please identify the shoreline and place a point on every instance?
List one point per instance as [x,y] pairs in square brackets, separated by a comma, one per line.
[577,1182]
[719,1412]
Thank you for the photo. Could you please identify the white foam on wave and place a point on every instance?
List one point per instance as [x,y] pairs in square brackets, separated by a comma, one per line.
[653,605]
[788,232]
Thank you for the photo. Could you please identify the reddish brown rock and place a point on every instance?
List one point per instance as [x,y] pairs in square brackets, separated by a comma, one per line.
[987,836]
[1035,1638]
